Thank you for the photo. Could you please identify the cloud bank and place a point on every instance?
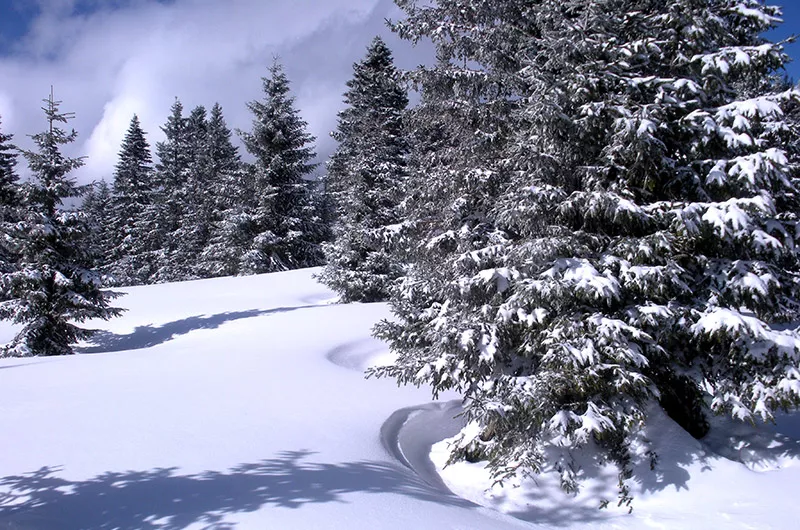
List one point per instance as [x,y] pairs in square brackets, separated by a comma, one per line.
[109,59]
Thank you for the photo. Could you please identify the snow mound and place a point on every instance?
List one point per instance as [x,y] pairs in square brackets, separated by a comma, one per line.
[759,447]
[361,354]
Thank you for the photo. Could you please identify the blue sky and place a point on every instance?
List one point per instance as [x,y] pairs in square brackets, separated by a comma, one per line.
[13,23]
[109,59]
[16,16]
[790,26]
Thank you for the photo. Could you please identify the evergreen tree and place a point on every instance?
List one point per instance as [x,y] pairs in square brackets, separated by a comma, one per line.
[223,155]
[643,245]
[52,287]
[366,178]
[172,174]
[98,207]
[8,175]
[9,197]
[285,226]
[196,201]
[135,244]
[227,203]
[232,239]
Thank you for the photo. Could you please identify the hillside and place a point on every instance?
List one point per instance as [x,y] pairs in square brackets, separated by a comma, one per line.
[241,403]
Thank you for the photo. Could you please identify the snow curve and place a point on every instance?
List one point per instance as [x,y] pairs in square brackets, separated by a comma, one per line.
[358,355]
[409,433]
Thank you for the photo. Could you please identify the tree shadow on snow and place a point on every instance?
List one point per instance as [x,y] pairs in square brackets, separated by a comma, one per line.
[758,446]
[679,455]
[148,336]
[165,500]
[19,365]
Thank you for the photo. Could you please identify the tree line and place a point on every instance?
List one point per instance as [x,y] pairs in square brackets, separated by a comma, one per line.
[199,212]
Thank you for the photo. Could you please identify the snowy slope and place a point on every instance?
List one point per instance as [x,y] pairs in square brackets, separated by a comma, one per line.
[240,403]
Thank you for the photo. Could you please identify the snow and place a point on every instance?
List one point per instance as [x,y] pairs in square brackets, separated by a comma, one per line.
[753,167]
[228,403]
[761,338]
[728,219]
[740,476]
[763,107]
[757,14]
[738,55]
[500,277]
[582,275]
[241,403]
[646,128]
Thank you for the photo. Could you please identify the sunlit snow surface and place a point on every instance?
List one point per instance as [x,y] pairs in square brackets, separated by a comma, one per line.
[240,403]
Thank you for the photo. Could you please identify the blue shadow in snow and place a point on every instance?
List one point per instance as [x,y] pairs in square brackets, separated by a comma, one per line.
[148,336]
[166,500]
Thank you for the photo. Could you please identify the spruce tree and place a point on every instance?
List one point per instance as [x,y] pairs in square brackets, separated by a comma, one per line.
[366,180]
[172,174]
[285,226]
[228,199]
[643,245]
[223,155]
[9,197]
[135,244]
[98,207]
[8,175]
[52,287]
[196,202]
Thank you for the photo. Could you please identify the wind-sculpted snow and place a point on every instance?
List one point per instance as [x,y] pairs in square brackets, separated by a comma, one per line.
[359,355]
[410,433]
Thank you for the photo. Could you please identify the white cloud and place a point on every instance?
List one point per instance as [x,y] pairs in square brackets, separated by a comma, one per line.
[6,111]
[117,61]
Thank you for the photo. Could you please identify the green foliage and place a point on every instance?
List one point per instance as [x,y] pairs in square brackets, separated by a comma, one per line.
[133,253]
[98,207]
[9,199]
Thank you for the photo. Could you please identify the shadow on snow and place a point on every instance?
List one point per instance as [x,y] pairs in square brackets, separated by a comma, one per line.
[165,500]
[148,336]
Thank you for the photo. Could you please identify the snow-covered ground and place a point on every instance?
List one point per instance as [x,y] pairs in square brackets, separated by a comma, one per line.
[241,403]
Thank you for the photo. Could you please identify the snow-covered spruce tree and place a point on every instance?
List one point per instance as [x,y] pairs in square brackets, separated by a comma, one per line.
[285,224]
[366,180]
[98,208]
[135,243]
[8,175]
[172,173]
[458,131]
[644,247]
[195,194]
[228,198]
[52,287]
[9,199]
